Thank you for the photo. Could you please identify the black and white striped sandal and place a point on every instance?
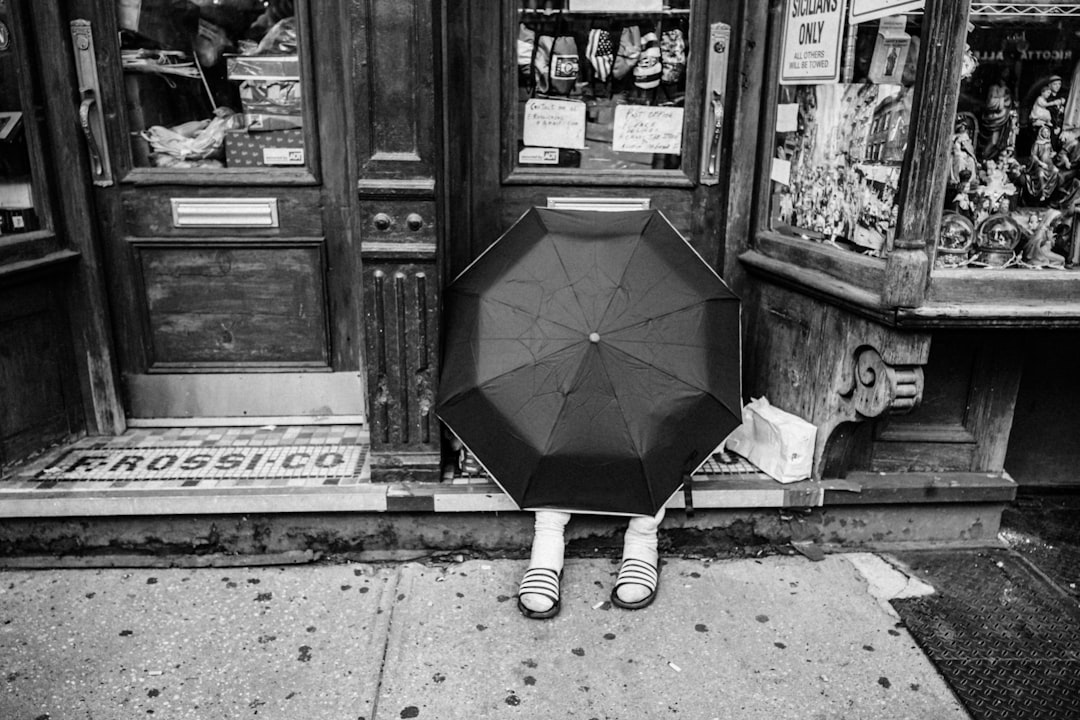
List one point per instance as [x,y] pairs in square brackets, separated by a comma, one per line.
[636,572]
[544,582]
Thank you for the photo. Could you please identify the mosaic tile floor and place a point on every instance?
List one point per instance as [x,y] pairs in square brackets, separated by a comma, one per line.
[160,471]
[162,458]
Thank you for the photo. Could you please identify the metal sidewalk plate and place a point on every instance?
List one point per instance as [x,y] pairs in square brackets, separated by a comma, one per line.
[1005,638]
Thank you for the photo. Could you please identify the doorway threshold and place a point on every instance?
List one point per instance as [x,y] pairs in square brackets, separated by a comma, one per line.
[272,469]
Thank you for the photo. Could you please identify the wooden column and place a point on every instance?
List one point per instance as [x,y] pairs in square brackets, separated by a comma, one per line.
[933,112]
[396,149]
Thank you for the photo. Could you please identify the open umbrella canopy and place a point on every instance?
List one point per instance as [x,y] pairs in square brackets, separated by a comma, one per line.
[591,361]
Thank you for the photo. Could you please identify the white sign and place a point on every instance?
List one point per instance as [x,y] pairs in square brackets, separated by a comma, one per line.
[538,156]
[812,41]
[645,129]
[863,10]
[554,123]
[620,6]
[781,171]
[787,117]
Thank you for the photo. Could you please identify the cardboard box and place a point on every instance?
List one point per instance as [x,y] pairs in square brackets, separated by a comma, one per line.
[264,68]
[263,149]
[270,90]
[272,98]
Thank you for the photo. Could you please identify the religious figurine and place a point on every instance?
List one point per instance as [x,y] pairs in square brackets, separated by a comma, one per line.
[1039,240]
[1046,110]
[996,131]
[962,165]
[996,189]
[1041,175]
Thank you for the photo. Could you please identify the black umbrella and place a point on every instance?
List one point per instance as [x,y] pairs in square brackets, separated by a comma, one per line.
[591,361]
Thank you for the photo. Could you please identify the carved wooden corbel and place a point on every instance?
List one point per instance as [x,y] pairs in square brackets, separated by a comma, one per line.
[877,387]
[873,388]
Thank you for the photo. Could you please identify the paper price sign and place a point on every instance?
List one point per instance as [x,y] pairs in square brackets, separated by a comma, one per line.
[812,40]
[640,128]
[554,124]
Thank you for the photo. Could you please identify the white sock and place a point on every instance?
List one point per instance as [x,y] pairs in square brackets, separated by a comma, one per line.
[547,552]
[640,543]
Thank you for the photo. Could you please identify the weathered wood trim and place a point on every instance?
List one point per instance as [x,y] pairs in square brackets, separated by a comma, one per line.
[401,316]
[87,301]
[18,270]
[890,488]
[818,284]
[832,368]
[393,65]
[746,84]
[922,185]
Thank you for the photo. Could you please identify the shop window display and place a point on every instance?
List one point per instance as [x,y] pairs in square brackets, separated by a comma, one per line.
[212,84]
[1014,171]
[601,85]
[842,129]
[16,188]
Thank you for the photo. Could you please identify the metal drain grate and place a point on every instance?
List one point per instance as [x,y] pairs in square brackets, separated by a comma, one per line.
[1006,639]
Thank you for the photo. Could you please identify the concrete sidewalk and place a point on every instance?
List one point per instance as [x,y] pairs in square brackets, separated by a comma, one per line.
[780,637]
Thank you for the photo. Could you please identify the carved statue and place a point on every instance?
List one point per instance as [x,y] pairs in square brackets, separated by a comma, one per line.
[1038,248]
[1046,109]
[996,121]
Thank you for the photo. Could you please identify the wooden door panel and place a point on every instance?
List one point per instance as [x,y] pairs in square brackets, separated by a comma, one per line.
[150,212]
[234,306]
[234,279]
[962,424]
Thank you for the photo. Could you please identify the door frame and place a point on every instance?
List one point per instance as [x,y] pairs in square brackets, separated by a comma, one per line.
[243,394]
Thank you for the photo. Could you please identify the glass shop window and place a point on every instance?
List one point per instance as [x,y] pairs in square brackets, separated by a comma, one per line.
[847,74]
[212,84]
[601,84]
[1014,167]
[17,213]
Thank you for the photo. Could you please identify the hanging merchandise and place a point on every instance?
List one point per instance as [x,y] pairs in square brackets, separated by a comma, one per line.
[526,42]
[672,55]
[648,69]
[600,52]
[542,63]
[565,64]
[629,52]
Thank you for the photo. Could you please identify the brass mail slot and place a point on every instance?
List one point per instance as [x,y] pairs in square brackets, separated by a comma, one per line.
[598,203]
[225,212]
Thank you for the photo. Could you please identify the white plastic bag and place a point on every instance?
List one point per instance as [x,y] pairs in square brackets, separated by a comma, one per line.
[777,442]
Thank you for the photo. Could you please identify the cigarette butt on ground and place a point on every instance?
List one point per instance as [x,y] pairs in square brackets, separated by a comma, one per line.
[674,667]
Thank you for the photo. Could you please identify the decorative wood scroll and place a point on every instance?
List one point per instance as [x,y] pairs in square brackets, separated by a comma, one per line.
[832,368]
[878,387]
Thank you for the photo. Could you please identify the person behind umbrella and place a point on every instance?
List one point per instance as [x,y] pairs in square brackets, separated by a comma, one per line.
[639,574]
[591,362]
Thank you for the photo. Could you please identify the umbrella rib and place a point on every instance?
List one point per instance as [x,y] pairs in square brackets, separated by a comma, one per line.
[629,434]
[626,269]
[519,309]
[676,378]
[653,318]
[573,288]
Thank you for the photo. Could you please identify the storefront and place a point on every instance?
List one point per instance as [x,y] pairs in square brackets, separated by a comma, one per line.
[241,214]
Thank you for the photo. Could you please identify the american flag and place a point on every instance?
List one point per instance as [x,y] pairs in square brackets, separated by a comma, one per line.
[601,53]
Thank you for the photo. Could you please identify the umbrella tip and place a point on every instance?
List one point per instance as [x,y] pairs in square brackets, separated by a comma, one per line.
[594,337]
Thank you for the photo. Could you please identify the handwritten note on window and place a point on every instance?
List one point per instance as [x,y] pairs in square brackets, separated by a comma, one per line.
[554,123]
[640,128]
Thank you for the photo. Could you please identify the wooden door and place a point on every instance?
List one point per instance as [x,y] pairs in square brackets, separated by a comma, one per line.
[215,132]
[586,104]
